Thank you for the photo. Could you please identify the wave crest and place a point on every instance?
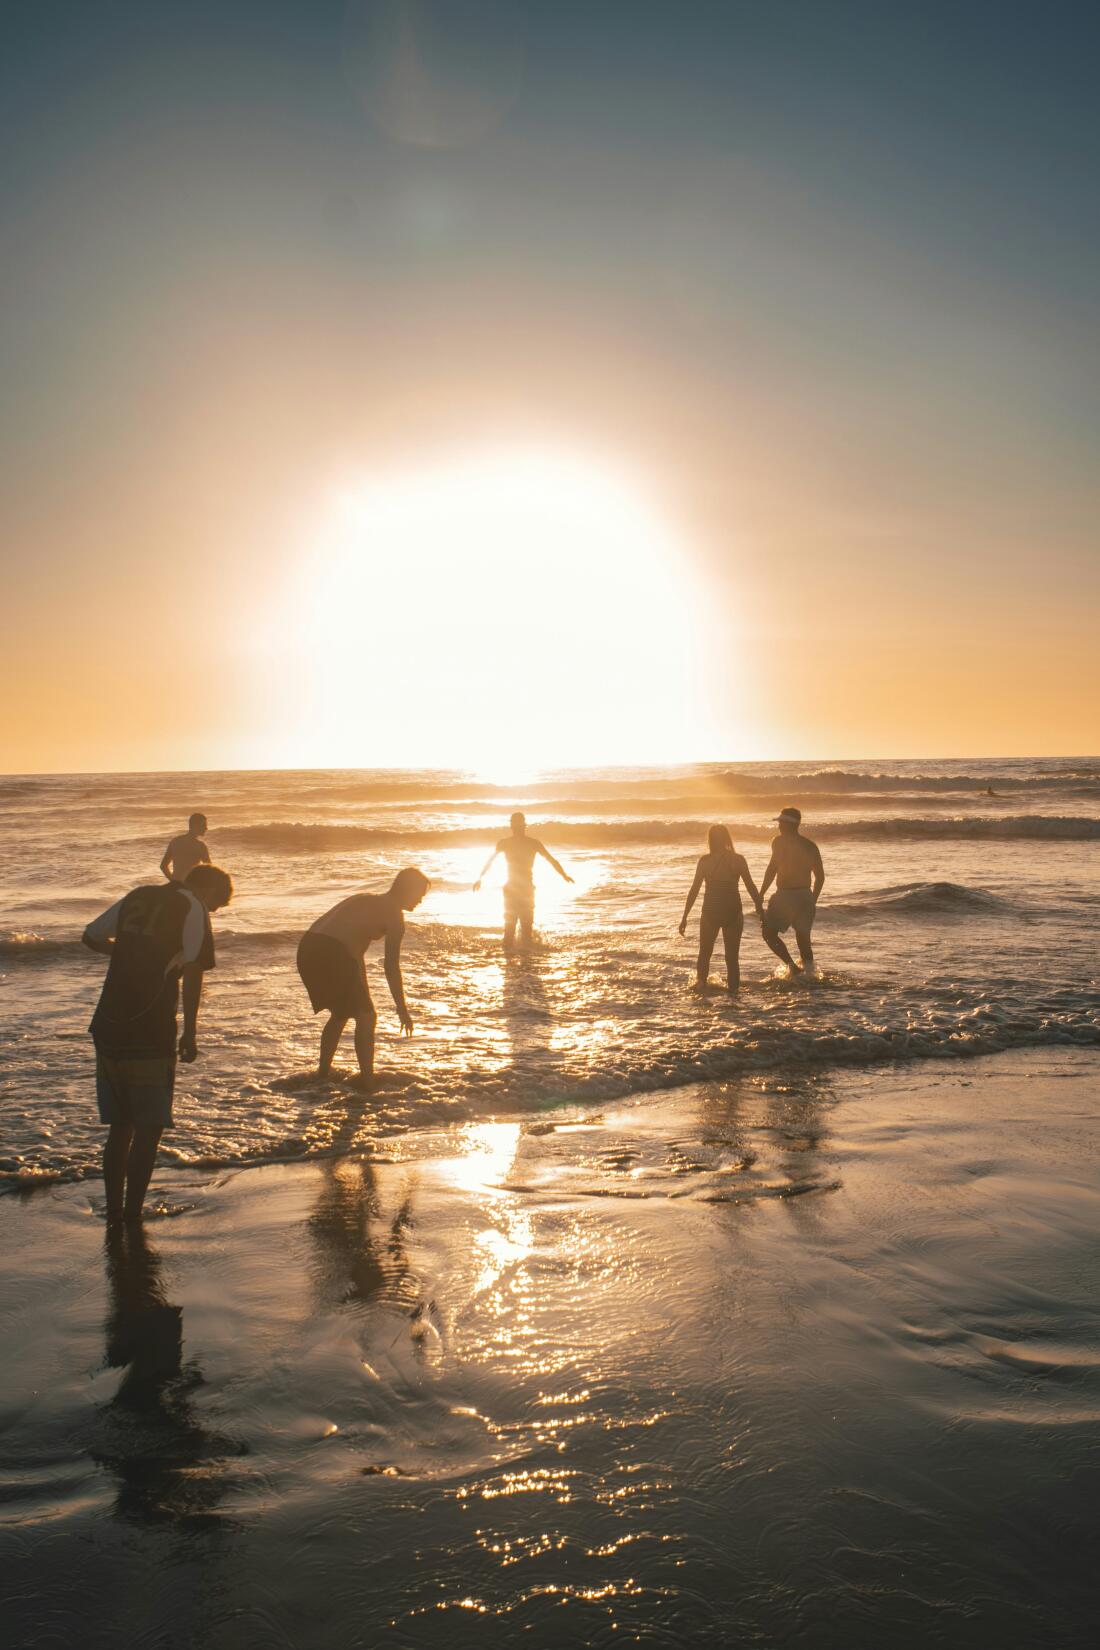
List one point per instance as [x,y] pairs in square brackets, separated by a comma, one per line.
[294,837]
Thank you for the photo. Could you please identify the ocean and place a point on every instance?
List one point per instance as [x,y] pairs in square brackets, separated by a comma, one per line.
[958,918]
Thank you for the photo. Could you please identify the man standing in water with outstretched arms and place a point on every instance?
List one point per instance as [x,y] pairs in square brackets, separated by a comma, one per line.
[331,963]
[520,852]
[795,860]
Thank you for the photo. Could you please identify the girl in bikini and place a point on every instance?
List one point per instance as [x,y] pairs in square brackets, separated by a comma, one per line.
[722,870]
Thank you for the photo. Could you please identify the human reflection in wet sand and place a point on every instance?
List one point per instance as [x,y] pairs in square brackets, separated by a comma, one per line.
[169,1467]
[776,1132]
[526,1011]
[361,1254]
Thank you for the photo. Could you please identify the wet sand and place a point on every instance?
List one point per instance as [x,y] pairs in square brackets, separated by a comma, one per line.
[811,1362]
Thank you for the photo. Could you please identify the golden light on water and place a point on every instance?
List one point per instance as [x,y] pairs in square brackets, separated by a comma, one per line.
[502,610]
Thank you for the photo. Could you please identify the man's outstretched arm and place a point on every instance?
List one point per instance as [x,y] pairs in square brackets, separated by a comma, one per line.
[395,982]
[485,869]
[769,876]
[546,854]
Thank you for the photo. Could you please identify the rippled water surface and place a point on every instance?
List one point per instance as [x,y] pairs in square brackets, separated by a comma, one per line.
[953,921]
[769,1361]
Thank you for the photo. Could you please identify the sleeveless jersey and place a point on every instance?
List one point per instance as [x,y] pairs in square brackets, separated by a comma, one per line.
[156,931]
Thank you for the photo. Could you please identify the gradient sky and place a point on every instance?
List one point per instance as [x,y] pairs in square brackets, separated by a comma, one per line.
[814,282]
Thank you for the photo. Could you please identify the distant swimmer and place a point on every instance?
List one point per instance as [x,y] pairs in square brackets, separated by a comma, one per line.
[331,963]
[520,852]
[795,860]
[721,871]
[154,936]
[184,852]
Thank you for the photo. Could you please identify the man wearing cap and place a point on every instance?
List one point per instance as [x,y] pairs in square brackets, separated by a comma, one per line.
[795,860]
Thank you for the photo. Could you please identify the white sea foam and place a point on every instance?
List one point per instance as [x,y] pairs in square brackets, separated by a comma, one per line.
[946,927]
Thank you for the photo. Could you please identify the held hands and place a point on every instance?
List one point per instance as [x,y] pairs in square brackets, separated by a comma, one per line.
[406,1022]
[188,1049]
[477,886]
[683,925]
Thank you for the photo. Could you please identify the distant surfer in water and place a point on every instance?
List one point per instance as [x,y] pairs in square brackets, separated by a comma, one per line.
[795,861]
[331,964]
[720,872]
[155,936]
[520,852]
[184,852]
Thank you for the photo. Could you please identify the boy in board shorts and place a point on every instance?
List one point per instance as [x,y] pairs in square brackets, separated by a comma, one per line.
[795,859]
[155,937]
[331,965]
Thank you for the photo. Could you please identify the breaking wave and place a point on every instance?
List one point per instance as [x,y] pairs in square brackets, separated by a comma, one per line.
[922,899]
[291,837]
[19,947]
[950,1031]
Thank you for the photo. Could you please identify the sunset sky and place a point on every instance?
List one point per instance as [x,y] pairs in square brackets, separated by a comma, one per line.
[490,383]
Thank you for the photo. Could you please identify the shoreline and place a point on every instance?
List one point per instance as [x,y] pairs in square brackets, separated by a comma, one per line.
[791,1361]
[442,1119]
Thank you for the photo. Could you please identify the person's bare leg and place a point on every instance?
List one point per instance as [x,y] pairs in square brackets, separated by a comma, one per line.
[139,1170]
[364,1043]
[527,927]
[510,921]
[805,949]
[331,1033]
[774,943]
[116,1152]
[731,939]
[708,933]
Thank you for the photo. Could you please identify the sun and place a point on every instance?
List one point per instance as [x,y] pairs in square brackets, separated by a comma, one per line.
[501,611]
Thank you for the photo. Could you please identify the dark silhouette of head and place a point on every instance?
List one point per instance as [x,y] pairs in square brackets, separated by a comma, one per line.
[718,838]
[409,887]
[789,821]
[197,824]
[212,885]
[518,822]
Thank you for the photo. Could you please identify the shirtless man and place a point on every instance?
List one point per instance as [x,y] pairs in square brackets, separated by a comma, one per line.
[331,963]
[795,859]
[184,852]
[520,852]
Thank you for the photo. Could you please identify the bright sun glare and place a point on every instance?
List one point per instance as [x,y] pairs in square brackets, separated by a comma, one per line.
[503,612]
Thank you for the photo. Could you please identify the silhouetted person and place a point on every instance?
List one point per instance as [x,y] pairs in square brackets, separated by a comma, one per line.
[331,963]
[720,872]
[520,852]
[184,852]
[795,860]
[154,936]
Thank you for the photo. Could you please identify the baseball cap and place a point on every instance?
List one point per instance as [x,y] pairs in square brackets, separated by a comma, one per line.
[793,814]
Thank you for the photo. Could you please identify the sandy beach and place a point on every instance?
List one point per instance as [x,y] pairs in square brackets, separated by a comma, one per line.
[764,1361]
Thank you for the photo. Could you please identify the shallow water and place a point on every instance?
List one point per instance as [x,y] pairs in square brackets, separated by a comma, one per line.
[952,922]
[806,1361]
